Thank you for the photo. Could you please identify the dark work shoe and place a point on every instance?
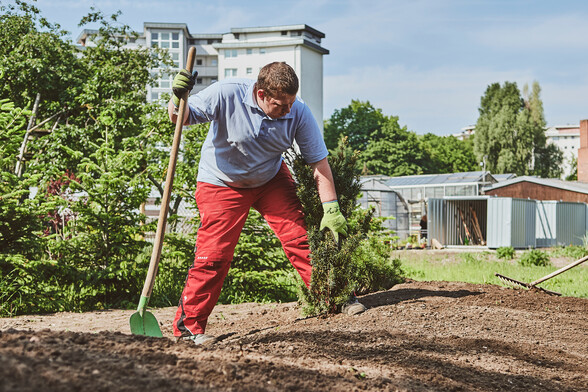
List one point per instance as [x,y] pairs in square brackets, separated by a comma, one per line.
[353,307]
[200,338]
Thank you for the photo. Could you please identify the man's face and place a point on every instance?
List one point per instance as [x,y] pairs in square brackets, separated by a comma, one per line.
[277,106]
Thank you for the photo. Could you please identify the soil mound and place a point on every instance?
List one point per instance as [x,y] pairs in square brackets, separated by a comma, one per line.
[418,336]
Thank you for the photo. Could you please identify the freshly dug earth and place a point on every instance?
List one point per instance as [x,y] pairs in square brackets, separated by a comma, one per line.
[418,336]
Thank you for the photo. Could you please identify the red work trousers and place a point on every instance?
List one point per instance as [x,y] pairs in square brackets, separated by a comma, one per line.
[223,212]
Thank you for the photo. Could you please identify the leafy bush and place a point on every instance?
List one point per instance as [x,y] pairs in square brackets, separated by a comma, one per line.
[534,257]
[575,251]
[505,252]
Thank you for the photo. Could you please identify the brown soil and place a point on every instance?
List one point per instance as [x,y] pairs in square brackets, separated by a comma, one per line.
[418,336]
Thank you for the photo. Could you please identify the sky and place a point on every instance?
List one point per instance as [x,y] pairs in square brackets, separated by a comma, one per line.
[428,62]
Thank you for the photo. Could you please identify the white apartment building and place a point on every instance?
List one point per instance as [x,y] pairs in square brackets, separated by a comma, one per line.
[240,53]
[567,138]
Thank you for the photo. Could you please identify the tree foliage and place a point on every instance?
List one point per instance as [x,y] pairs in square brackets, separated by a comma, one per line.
[91,171]
[510,133]
[357,122]
[386,148]
[447,154]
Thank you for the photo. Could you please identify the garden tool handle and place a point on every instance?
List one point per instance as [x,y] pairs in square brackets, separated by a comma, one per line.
[559,271]
[160,233]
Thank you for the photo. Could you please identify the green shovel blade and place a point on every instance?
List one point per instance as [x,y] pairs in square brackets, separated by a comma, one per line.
[144,322]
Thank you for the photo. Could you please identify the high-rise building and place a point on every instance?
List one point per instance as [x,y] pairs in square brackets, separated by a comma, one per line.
[240,53]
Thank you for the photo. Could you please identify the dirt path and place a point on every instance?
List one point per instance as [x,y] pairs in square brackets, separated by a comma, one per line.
[419,336]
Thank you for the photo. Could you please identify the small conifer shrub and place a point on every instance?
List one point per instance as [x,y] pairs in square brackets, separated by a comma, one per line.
[338,269]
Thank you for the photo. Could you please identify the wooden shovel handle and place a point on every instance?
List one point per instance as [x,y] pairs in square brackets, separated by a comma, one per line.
[171,169]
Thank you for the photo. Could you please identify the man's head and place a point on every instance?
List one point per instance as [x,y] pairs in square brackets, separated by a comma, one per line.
[276,88]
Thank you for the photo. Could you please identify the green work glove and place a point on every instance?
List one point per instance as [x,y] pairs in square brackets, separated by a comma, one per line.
[333,219]
[183,82]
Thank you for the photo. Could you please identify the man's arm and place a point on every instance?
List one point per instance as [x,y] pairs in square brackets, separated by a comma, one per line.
[332,218]
[323,178]
[171,108]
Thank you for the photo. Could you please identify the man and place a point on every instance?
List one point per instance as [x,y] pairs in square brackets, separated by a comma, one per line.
[241,166]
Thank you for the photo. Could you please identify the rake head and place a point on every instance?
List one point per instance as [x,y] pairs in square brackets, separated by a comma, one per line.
[518,284]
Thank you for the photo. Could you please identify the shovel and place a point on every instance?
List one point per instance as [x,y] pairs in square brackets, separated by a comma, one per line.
[144,322]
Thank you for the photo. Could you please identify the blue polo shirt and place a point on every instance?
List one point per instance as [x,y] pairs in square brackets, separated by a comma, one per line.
[244,146]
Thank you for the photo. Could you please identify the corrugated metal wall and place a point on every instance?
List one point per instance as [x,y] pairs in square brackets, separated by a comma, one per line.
[524,213]
[571,223]
[511,222]
[560,223]
[546,223]
[436,220]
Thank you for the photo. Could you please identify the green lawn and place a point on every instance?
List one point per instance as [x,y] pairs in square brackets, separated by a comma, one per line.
[480,267]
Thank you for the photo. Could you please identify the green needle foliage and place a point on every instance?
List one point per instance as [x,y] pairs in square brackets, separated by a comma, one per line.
[337,267]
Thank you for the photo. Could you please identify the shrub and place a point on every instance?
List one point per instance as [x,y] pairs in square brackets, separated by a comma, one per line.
[505,252]
[341,268]
[575,251]
[534,257]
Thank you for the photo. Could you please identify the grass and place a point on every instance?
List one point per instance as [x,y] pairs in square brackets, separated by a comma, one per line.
[480,267]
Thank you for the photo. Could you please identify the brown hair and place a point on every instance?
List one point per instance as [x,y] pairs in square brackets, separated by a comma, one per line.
[277,78]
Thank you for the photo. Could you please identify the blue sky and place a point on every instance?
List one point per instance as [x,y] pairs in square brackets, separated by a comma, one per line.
[426,61]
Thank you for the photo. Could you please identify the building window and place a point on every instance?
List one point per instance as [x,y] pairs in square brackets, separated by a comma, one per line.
[214,62]
[249,70]
[230,53]
[165,40]
[198,61]
[261,50]
[249,51]
[154,96]
[230,72]
[284,33]
[198,80]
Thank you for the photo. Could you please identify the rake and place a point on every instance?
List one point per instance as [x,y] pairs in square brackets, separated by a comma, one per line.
[533,285]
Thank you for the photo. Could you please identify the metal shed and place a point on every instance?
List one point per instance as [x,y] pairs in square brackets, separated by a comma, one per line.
[387,203]
[482,220]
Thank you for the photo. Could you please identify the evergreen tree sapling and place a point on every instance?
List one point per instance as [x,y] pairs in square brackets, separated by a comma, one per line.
[333,264]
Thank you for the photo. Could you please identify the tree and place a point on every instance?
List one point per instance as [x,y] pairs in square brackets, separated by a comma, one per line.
[510,132]
[393,151]
[36,59]
[357,122]
[340,268]
[447,154]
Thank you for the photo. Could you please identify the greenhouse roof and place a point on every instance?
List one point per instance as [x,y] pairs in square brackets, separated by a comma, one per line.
[440,179]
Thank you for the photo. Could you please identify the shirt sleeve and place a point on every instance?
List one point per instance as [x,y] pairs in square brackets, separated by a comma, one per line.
[309,137]
[205,105]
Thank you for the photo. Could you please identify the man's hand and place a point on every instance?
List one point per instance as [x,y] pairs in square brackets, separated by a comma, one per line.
[183,82]
[333,219]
